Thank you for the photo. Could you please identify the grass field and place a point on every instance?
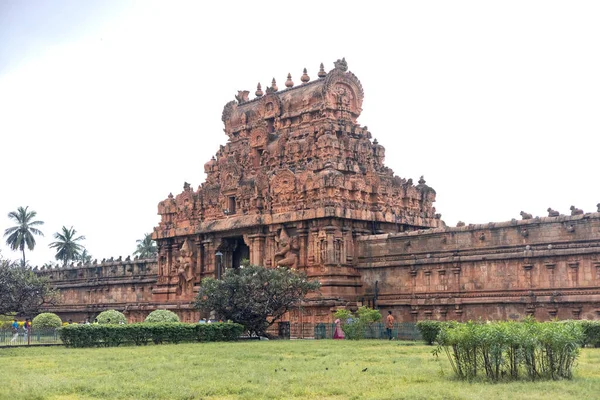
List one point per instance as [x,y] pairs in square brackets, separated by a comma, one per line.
[322,369]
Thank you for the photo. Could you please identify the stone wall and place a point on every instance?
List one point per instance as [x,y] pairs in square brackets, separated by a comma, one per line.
[88,289]
[544,267]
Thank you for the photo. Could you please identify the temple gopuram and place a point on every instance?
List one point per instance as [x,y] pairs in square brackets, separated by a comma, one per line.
[301,184]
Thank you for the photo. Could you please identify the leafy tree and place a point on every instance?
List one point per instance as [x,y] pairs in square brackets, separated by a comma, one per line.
[146,247]
[66,246]
[21,235]
[22,291]
[254,296]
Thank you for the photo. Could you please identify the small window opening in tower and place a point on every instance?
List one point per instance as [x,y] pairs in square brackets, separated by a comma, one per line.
[270,125]
[231,205]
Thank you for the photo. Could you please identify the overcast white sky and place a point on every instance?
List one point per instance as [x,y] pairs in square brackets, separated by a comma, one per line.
[107,106]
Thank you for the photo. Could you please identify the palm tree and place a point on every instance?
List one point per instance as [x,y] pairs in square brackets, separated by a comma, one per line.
[85,256]
[66,246]
[22,235]
[146,248]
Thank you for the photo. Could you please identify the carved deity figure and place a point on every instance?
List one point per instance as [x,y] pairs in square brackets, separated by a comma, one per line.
[286,250]
[183,271]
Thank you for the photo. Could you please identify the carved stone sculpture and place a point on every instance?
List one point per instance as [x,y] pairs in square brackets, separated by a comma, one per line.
[525,215]
[286,254]
[552,213]
[575,211]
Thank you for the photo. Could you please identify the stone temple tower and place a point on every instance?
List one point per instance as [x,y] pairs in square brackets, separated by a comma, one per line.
[298,181]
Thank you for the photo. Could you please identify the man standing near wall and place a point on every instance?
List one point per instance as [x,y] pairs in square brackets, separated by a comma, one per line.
[389,325]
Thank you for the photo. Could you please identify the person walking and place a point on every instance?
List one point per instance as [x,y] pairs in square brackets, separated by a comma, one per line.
[338,333]
[27,329]
[389,325]
[15,330]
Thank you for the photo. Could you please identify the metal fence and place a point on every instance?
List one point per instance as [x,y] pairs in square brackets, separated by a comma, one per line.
[33,338]
[401,331]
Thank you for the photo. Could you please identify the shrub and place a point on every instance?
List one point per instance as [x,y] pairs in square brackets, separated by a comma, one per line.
[111,317]
[46,320]
[430,329]
[354,325]
[546,350]
[162,316]
[591,331]
[141,333]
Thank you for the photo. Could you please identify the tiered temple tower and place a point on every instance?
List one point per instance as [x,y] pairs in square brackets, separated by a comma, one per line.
[298,181]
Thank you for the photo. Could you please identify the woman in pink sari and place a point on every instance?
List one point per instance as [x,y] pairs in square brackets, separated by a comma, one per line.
[338,333]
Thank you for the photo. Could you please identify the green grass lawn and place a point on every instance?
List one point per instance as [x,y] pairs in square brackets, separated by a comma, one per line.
[321,369]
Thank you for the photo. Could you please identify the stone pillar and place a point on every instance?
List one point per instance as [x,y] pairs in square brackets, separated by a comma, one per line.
[456,274]
[269,249]
[208,258]
[313,248]
[528,281]
[198,249]
[303,243]
[573,273]
[330,239]
[550,269]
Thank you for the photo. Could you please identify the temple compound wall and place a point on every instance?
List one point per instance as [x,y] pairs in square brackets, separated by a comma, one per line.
[301,184]
[543,267]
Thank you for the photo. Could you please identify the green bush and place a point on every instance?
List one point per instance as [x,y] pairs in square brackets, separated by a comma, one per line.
[591,331]
[535,350]
[430,329]
[96,335]
[157,316]
[46,320]
[111,317]
[354,325]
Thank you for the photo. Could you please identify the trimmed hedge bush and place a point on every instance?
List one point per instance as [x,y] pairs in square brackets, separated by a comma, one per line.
[46,320]
[158,316]
[107,335]
[111,317]
[591,331]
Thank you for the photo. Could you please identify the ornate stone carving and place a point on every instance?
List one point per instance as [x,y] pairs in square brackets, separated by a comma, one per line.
[552,213]
[287,248]
[525,215]
[183,269]
[575,211]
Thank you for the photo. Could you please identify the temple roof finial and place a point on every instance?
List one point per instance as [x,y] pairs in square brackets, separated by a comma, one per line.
[341,64]
[259,91]
[322,72]
[305,78]
[289,83]
[274,87]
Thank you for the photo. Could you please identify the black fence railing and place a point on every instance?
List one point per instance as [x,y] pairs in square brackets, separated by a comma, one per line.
[22,338]
[401,331]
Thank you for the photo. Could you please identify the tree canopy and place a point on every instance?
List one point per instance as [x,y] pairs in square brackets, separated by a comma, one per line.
[67,248]
[21,235]
[254,296]
[146,247]
[22,292]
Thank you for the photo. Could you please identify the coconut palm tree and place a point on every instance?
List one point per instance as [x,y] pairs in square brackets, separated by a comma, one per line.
[146,248]
[22,235]
[85,256]
[66,246]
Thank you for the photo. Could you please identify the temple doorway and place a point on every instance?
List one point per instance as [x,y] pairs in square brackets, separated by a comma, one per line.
[240,252]
[230,254]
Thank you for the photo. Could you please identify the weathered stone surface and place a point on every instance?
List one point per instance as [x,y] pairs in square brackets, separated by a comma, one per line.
[450,273]
[300,184]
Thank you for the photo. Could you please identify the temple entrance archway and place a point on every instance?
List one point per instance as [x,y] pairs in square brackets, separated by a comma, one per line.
[230,254]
